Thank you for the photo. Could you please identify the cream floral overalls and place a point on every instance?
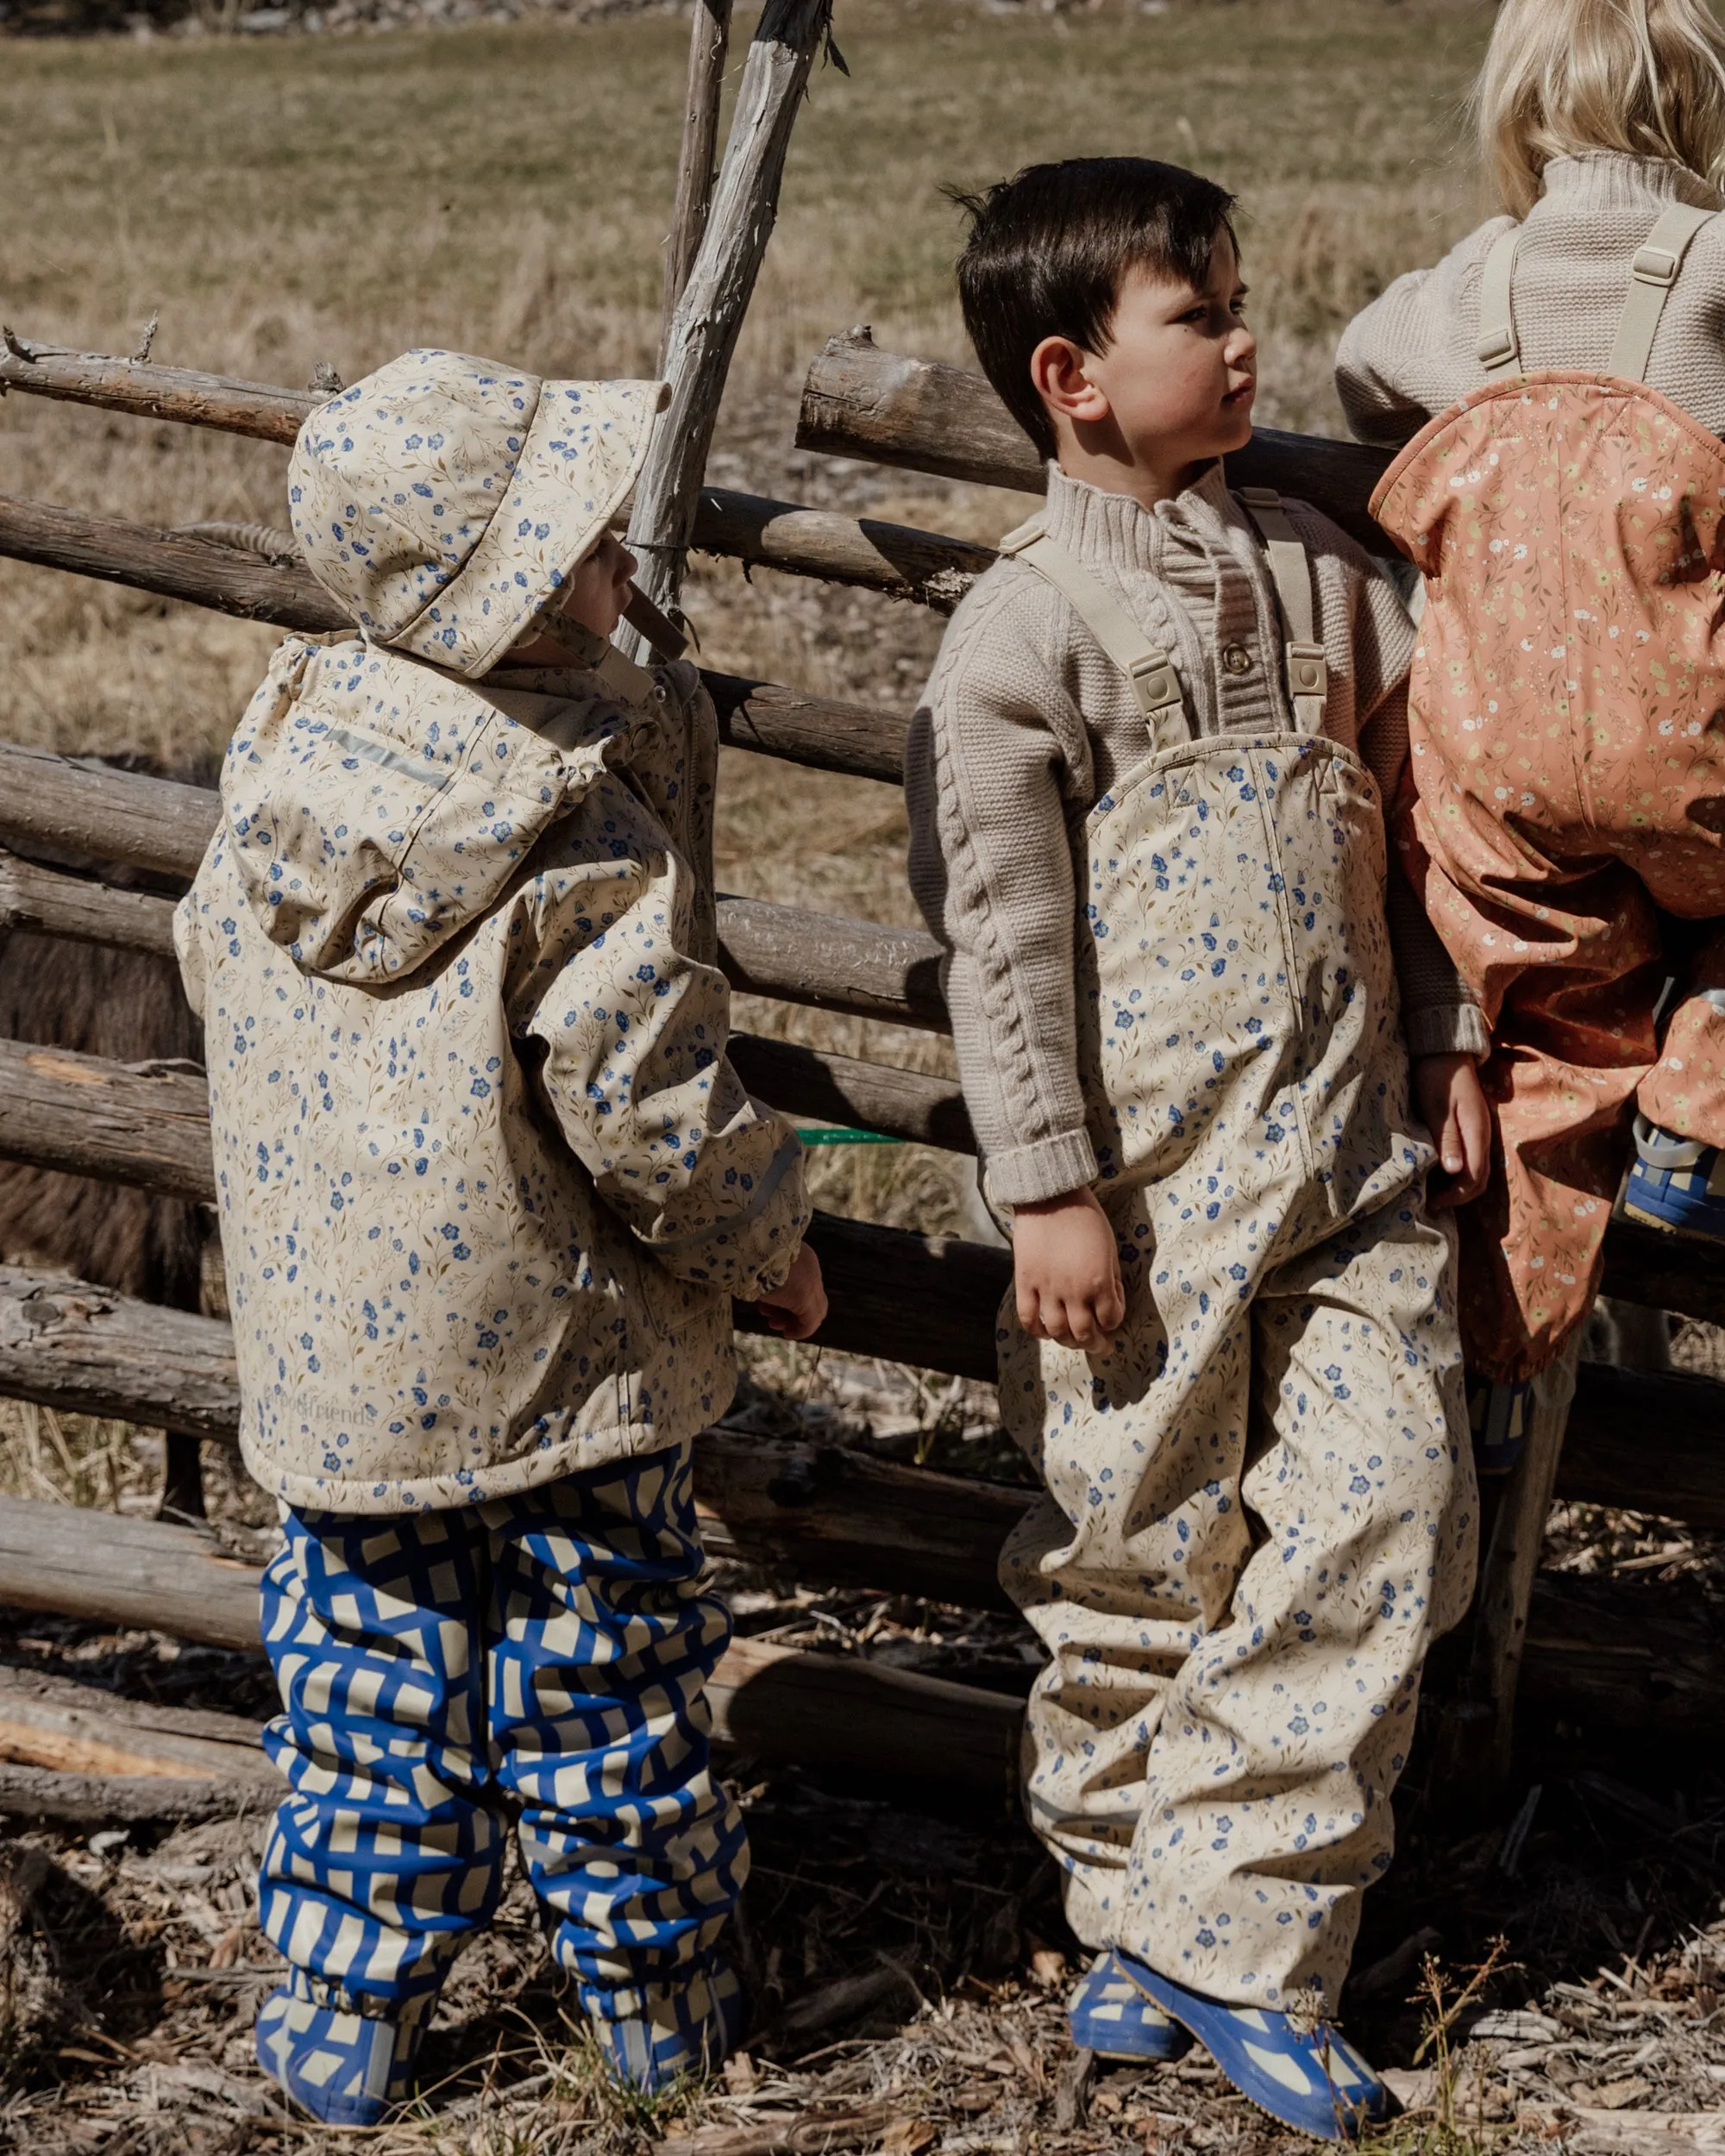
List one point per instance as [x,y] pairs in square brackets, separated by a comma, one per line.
[1258,1514]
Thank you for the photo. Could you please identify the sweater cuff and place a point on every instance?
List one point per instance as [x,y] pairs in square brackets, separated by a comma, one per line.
[1026,1174]
[1447,1029]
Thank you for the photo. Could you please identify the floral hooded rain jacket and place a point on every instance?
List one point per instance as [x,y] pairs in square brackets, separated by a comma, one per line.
[487,1182]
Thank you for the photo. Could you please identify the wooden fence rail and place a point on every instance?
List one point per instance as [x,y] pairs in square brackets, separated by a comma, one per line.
[1593,1651]
[922,1299]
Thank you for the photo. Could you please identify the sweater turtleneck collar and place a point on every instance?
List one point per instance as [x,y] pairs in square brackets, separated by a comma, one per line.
[1092,522]
[1612,180]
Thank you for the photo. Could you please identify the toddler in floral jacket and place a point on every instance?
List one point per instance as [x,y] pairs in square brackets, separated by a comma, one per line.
[487,1187]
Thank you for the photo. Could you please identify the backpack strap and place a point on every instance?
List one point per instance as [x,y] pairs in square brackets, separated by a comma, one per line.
[1499,350]
[1651,276]
[1146,666]
[1290,566]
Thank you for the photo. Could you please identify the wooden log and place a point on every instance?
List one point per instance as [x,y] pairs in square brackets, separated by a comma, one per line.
[926,567]
[861,740]
[83,808]
[922,416]
[1652,1444]
[87,1115]
[43,1797]
[201,571]
[92,1351]
[772,1701]
[926,1300]
[148,1574]
[1619,1659]
[709,40]
[263,409]
[48,903]
[831,963]
[902,1104]
[84,1729]
[831,1514]
[787,952]
[855,738]
[721,281]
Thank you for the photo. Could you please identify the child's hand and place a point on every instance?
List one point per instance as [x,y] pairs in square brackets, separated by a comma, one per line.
[1066,1272]
[1453,1104]
[799,1307]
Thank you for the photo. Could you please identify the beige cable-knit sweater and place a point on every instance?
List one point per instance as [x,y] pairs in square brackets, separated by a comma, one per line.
[1412,353]
[1026,723]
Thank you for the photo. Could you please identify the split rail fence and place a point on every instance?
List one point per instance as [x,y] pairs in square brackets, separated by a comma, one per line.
[1589,1652]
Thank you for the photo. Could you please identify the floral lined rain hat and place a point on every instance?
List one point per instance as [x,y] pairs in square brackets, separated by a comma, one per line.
[444,500]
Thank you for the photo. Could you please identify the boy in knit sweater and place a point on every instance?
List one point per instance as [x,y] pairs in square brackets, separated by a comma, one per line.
[1145,800]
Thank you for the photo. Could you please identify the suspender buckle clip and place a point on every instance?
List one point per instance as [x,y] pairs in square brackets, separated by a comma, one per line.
[1308,670]
[1498,347]
[1657,265]
[1156,685]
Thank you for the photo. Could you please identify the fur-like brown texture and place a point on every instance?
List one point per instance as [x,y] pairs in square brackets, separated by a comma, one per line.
[100,1003]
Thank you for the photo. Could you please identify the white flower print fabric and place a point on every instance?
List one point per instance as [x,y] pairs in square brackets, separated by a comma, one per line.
[1258,1514]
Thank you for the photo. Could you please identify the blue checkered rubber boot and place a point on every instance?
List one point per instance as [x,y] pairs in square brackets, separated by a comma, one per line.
[1676,1183]
[345,2069]
[1306,2075]
[1110,2016]
[1497,1415]
[674,2032]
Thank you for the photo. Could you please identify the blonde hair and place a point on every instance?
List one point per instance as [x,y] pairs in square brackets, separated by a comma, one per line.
[1646,77]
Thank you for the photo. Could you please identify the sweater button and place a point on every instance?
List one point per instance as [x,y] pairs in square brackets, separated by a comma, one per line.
[1237,659]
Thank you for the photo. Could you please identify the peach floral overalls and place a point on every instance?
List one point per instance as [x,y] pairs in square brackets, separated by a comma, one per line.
[1566,790]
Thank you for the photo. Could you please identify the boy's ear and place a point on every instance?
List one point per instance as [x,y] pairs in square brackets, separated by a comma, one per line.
[1059,372]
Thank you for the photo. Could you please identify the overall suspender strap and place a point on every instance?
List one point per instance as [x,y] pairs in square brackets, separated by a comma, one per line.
[1291,567]
[1653,274]
[1499,350]
[1146,666]
[622,677]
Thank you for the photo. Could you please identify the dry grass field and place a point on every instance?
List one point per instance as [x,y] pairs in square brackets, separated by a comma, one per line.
[503,188]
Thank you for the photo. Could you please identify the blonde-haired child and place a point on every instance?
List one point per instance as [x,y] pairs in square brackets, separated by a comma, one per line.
[1566,698]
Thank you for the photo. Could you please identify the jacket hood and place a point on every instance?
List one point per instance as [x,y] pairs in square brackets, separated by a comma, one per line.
[444,500]
[374,806]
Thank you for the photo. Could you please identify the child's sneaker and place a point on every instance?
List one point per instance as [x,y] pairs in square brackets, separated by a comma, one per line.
[1675,1183]
[1110,2016]
[1497,1415]
[345,2069]
[1310,2077]
[691,2030]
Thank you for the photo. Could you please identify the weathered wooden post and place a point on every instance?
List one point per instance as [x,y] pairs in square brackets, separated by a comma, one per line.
[721,281]
[709,42]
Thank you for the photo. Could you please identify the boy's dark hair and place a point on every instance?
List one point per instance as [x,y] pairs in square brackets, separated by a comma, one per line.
[1049,249]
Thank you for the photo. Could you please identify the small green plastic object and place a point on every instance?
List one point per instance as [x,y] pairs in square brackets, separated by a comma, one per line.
[840,1135]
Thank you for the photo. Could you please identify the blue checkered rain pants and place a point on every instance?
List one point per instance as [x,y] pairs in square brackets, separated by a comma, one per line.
[551,1648]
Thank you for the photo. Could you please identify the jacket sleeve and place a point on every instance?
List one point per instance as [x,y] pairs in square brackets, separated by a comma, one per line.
[991,867]
[1379,403]
[634,1028]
